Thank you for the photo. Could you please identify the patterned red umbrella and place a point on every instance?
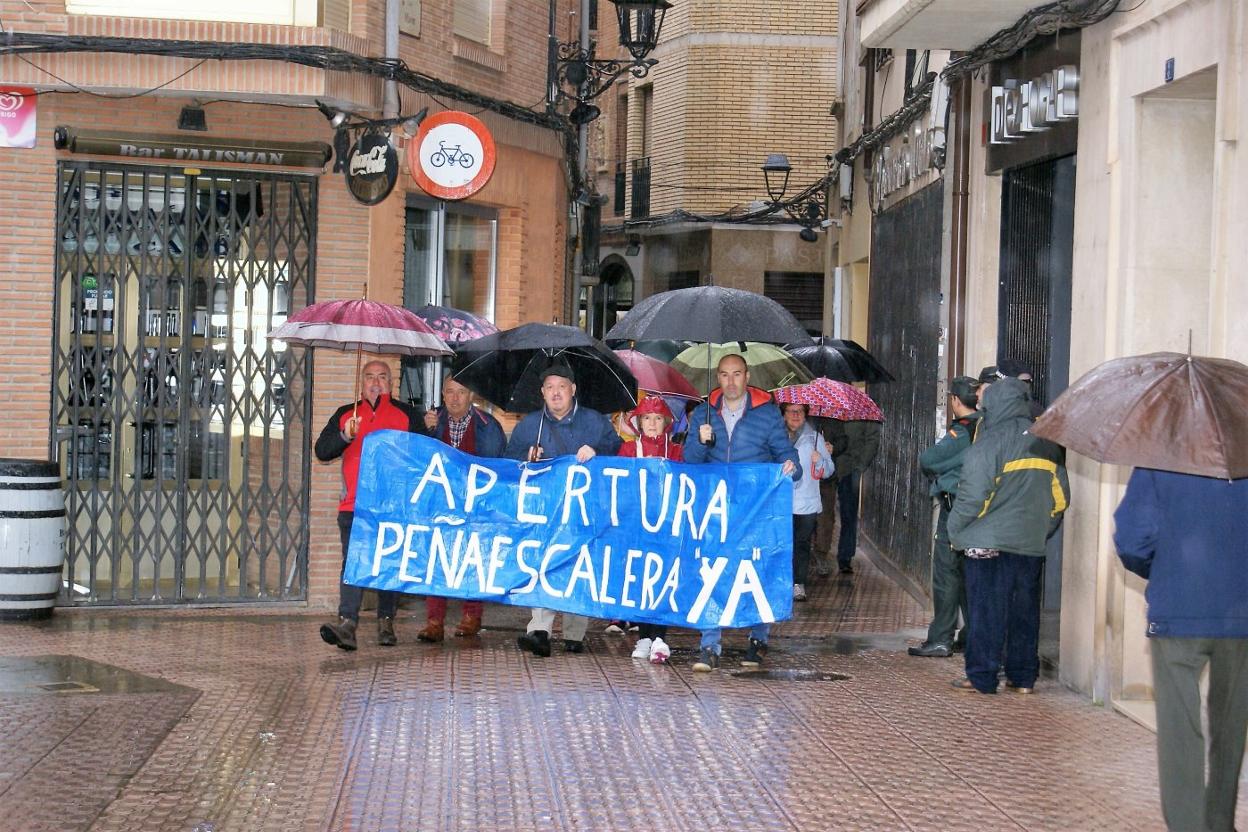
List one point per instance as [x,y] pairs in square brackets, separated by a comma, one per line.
[832,400]
[362,325]
[654,376]
[454,326]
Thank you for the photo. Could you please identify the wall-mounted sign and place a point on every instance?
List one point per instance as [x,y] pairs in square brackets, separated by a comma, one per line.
[17,117]
[1022,107]
[912,155]
[1031,107]
[372,168]
[452,157]
[192,149]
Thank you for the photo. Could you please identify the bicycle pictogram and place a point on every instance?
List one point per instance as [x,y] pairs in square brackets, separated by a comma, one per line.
[450,155]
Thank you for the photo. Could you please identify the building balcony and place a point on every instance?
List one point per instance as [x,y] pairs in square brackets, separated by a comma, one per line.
[935,24]
[641,189]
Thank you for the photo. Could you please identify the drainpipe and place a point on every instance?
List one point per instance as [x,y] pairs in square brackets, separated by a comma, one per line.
[582,163]
[961,173]
[390,100]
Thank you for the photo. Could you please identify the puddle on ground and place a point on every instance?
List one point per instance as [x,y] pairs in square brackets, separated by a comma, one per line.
[791,676]
[74,675]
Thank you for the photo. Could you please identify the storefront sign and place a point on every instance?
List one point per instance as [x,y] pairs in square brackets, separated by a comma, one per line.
[453,155]
[910,156]
[1031,106]
[372,168]
[17,117]
[1019,108]
[188,149]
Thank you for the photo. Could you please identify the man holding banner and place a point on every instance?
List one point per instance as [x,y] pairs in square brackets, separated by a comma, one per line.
[560,428]
[343,436]
[461,425]
[739,423]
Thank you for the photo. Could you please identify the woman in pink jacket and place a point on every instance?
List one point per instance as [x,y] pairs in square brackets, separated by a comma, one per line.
[652,422]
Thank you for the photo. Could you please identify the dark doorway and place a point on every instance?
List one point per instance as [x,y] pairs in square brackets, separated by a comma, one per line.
[1037,240]
[905,336]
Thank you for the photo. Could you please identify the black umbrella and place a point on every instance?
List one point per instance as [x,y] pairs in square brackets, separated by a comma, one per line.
[709,314]
[505,368]
[839,360]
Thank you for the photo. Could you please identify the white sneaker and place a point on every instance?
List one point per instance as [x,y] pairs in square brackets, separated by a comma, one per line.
[799,592]
[642,650]
[614,629]
[659,651]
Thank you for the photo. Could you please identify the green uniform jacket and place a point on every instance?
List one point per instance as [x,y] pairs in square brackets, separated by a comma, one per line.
[854,445]
[1014,486]
[943,461]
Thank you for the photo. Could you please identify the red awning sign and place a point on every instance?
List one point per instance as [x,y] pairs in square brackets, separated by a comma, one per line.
[452,157]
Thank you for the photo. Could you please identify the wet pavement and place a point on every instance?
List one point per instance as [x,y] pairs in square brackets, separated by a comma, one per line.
[218,720]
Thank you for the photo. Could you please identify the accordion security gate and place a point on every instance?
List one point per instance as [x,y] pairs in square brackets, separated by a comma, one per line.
[182,432]
[905,336]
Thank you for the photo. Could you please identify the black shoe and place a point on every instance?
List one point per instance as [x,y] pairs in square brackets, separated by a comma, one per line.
[536,642]
[341,633]
[959,647]
[707,661]
[570,646]
[847,569]
[933,651]
[385,632]
[754,654]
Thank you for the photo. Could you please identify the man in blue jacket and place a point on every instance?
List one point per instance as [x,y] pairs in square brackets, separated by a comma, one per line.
[738,424]
[560,428]
[1188,537]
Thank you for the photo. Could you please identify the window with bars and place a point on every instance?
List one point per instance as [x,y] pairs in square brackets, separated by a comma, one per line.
[472,20]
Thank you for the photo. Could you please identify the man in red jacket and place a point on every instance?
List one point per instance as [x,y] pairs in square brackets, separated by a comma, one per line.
[342,437]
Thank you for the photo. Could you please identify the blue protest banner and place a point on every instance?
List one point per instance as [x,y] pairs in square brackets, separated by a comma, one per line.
[695,546]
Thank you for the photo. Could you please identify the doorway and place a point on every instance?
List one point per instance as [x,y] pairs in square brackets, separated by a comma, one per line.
[181,430]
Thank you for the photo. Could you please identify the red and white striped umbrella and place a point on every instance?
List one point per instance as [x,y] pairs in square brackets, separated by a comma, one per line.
[363,325]
[832,400]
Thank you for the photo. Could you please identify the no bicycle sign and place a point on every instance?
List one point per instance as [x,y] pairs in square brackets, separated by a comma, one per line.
[452,157]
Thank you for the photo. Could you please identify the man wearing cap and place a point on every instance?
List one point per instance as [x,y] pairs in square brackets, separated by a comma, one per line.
[461,425]
[942,463]
[560,428]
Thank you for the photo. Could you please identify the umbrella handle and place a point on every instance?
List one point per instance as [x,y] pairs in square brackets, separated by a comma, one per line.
[359,384]
[711,443]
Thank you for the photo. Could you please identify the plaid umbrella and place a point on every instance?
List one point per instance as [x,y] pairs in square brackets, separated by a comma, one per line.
[454,326]
[832,400]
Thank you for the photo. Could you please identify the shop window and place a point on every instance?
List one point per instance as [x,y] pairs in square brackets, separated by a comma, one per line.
[450,259]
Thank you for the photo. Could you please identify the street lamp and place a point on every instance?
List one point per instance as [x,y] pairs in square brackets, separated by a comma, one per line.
[573,65]
[576,75]
[809,208]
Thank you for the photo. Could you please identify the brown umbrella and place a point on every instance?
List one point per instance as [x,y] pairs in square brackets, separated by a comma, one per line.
[1164,410]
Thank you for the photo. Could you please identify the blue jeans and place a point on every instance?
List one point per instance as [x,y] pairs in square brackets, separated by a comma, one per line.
[711,638]
[847,505]
[1003,602]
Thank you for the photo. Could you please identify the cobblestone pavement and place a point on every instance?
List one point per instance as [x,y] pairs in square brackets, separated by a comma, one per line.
[208,721]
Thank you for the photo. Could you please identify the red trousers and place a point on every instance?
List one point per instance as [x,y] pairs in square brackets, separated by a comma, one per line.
[435,608]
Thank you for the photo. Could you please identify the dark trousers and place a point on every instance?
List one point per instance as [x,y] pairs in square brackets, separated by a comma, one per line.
[847,502]
[948,586]
[651,631]
[350,597]
[1189,799]
[803,534]
[1003,597]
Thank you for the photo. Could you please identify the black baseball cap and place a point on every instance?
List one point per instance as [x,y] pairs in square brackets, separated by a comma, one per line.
[561,370]
[990,374]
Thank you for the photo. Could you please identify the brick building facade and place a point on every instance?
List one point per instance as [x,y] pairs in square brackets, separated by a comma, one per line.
[735,81]
[245,514]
